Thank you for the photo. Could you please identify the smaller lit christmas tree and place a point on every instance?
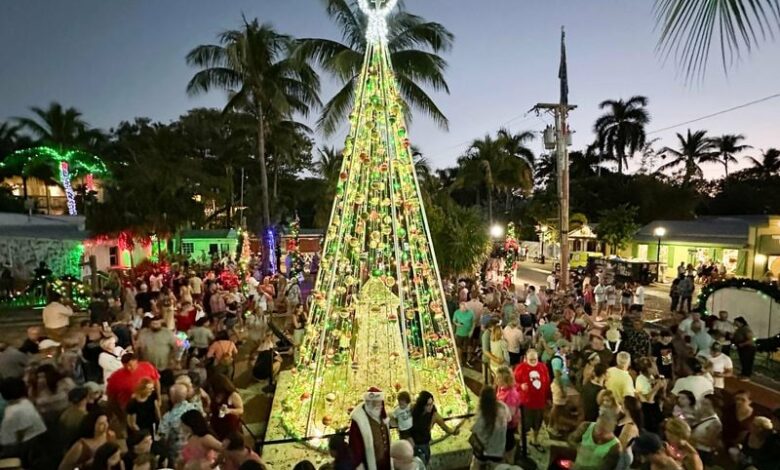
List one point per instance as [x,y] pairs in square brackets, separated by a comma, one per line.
[295,260]
[511,248]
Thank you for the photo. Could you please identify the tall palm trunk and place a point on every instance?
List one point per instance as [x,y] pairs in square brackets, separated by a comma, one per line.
[264,189]
[726,167]
[229,202]
[490,205]
[621,156]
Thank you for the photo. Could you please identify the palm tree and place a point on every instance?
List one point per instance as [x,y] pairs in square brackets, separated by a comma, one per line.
[694,149]
[518,165]
[58,127]
[328,166]
[414,45]
[690,27]
[727,146]
[11,139]
[769,164]
[621,131]
[480,167]
[253,64]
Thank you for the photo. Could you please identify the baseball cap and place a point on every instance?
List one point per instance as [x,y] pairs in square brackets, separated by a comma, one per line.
[48,344]
[647,444]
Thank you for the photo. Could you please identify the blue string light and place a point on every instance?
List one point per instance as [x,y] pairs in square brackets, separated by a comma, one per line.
[69,194]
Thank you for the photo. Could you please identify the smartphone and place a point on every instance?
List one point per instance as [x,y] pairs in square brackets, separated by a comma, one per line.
[105,325]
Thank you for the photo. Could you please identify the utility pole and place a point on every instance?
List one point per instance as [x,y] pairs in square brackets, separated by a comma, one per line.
[561,112]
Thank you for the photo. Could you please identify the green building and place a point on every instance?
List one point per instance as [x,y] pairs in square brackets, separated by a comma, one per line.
[204,245]
[746,245]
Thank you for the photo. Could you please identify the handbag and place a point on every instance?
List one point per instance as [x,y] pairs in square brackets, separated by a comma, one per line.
[477,446]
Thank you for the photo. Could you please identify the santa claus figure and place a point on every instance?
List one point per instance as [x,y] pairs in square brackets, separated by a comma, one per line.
[369,433]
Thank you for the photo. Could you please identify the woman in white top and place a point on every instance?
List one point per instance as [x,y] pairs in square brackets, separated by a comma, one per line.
[499,353]
[490,429]
[110,358]
[706,430]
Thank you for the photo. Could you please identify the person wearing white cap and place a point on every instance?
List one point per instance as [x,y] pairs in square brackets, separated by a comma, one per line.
[369,433]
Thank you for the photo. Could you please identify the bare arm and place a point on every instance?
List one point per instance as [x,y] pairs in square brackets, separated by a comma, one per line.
[437,419]
[236,404]
[575,437]
[71,457]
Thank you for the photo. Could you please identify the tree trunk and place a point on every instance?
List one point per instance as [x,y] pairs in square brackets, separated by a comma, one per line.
[490,206]
[229,172]
[24,186]
[621,157]
[726,167]
[266,265]
[276,180]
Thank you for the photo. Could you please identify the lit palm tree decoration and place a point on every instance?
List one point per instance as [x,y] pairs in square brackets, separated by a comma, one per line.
[68,164]
[378,314]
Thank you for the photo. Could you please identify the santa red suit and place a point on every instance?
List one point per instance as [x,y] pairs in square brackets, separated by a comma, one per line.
[369,433]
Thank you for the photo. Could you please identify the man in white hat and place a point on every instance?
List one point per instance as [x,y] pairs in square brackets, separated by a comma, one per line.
[369,433]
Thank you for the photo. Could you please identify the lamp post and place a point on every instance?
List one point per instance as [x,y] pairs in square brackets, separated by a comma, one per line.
[542,229]
[658,232]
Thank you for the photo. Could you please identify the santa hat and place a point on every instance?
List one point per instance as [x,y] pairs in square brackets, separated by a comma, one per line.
[374,394]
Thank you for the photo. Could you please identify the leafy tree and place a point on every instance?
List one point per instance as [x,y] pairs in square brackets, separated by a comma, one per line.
[518,171]
[621,130]
[414,44]
[694,149]
[459,235]
[254,66]
[769,163]
[480,166]
[617,226]
[328,168]
[689,29]
[222,143]
[157,186]
[745,192]
[727,146]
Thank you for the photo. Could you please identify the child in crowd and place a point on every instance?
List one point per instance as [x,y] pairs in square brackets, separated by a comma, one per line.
[685,409]
[402,415]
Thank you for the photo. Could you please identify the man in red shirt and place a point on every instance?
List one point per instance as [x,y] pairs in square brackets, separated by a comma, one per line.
[122,383]
[533,383]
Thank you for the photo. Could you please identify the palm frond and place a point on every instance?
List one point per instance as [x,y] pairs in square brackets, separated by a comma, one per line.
[688,29]
[417,98]
[337,109]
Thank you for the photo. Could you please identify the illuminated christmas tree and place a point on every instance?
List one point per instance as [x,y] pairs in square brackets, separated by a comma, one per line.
[295,263]
[378,314]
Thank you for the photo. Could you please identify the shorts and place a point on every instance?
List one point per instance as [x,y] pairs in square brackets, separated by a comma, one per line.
[510,441]
[532,419]
[406,434]
[462,342]
[514,358]
[476,334]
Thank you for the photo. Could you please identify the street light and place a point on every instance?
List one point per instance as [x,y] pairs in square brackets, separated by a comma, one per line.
[658,232]
[496,231]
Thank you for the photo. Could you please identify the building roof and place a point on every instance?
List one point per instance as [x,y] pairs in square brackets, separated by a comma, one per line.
[209,234]
[49,227]
[718,230]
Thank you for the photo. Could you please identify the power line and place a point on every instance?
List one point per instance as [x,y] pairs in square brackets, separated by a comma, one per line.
[718,113]
[461,144]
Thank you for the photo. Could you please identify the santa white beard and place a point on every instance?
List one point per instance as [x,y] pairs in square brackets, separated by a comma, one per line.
[374,411]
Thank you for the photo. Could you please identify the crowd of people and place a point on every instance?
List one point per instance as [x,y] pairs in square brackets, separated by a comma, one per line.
[585,367]
[147,381]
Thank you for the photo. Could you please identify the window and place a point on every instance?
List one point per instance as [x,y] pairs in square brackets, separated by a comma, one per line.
[213,249]
[187,248]
[113,256]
